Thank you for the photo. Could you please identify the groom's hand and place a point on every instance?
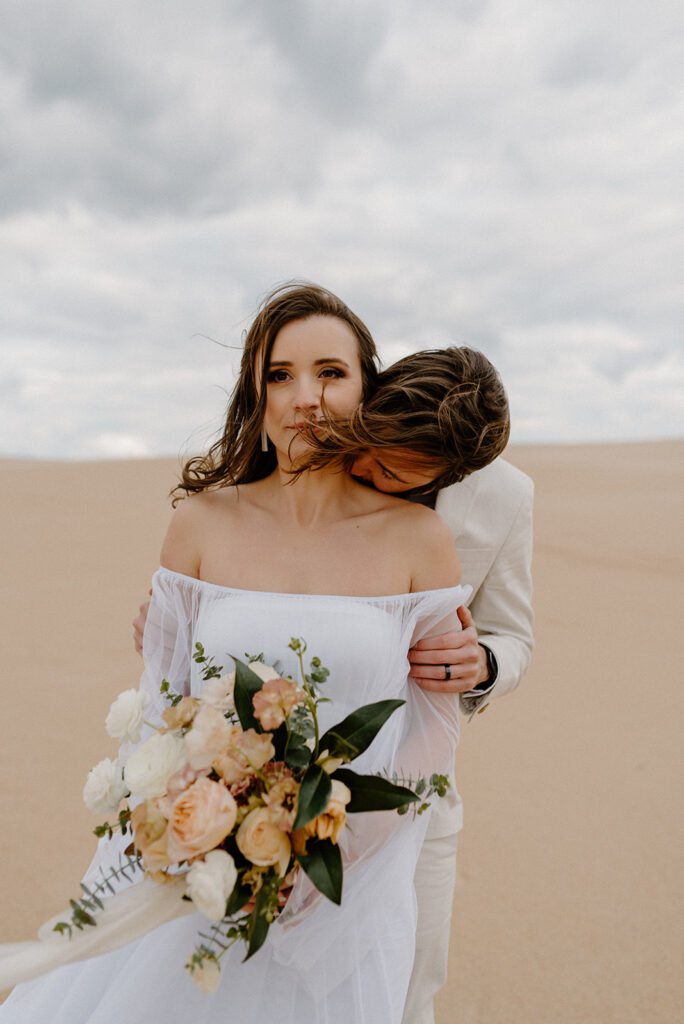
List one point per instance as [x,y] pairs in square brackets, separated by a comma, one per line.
[139,625]
[460,651]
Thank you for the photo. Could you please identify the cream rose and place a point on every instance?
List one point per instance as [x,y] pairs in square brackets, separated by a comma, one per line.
[105,787]
[264,672]
[210,882]
[206,975]
[245,752]
[275,700]
[201,818]
[127,716]
[262,842]
[150,767]
[218,692]
[209,734]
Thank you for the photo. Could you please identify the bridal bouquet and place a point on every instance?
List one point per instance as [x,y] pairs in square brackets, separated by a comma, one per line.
[237,791]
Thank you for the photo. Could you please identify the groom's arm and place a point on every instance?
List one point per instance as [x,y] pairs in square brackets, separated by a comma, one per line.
[502,612]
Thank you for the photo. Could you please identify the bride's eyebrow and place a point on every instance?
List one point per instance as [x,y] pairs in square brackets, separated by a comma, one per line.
[317,362]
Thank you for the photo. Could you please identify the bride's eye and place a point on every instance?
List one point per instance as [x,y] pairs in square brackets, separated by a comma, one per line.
[276,376]
[330,372]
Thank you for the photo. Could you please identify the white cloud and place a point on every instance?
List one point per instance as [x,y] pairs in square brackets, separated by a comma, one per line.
[504,175]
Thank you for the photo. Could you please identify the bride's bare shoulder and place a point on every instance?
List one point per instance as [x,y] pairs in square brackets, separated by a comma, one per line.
[193,520]
[424,534]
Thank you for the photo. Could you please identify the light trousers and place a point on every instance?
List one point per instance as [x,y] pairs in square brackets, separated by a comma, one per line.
[435,879]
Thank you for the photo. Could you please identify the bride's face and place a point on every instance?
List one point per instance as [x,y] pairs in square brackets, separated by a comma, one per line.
[310,357]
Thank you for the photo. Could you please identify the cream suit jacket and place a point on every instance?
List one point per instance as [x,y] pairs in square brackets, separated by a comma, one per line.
[490,518]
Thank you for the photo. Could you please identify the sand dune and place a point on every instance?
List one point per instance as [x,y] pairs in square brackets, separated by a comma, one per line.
[568,907]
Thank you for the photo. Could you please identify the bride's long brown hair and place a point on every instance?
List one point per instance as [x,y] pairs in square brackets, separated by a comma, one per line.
[237,458]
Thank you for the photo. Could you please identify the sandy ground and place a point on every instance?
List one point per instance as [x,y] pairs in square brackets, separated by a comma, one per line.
[569,902]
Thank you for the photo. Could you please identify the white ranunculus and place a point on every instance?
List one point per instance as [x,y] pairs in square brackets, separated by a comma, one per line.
[210,882]
[219,692]
[150,767]
[105,788]
[206,975]
[126,715]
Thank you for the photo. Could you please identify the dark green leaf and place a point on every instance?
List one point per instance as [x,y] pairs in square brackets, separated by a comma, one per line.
[373,792]
[356,732]
[258,926]
[323,865]
[280,742]
[313,796]
[247,683]
[238,897]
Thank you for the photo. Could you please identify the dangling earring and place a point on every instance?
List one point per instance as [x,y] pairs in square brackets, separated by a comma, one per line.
[264,439]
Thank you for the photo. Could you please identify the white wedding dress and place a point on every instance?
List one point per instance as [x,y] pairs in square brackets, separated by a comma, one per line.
[321,964]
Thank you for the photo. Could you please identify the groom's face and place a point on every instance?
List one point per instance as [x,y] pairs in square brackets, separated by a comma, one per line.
[393,470]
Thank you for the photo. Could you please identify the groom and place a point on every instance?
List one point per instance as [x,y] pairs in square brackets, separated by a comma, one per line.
[432,432]
[433,414]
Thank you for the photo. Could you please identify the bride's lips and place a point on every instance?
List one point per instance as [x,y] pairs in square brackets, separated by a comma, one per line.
[308,425]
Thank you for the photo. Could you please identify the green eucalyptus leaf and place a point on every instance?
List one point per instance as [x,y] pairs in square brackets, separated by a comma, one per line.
[373,792]
[323,865]
[313,795]
[356,732]
[296,753]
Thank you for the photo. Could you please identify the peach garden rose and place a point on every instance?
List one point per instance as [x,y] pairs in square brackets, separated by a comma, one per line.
[208,736]
[245,752]
[201,818]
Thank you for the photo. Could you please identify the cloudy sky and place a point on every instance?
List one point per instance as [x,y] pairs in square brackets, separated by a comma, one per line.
[503,174]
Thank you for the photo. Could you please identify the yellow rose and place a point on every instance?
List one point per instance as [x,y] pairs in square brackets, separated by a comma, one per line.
[150,834]
[330,823]
[262,842]
[180,715]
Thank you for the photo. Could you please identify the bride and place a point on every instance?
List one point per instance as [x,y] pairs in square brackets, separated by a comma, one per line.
[262,549]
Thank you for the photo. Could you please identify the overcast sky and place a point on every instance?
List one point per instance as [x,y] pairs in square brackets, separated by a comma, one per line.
[504,174]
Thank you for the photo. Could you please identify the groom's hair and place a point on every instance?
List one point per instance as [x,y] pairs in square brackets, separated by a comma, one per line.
[445,408]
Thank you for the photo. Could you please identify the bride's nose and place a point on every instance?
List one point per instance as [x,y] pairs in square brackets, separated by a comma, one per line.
[307,395]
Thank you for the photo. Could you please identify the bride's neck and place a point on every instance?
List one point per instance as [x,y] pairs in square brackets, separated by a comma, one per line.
[312,498]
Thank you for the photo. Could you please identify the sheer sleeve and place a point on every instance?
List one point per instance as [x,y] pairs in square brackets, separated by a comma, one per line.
[379,849]
[167,650]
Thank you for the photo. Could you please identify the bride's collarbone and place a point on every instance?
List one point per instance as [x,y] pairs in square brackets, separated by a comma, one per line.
[305,565]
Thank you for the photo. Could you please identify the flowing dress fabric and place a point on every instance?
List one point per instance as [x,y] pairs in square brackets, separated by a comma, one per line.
[321,964]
